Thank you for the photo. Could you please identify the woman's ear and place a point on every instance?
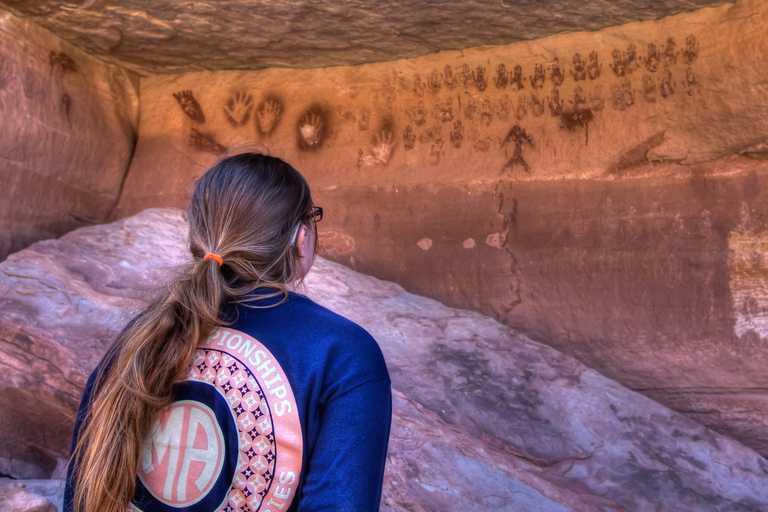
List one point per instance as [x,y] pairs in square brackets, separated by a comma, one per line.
[302,241]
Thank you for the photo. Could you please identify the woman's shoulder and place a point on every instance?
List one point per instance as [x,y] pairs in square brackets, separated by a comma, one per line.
[322,315]
[342,337]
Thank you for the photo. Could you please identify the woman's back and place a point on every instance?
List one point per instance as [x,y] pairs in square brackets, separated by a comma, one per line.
[274,371]
[230,392]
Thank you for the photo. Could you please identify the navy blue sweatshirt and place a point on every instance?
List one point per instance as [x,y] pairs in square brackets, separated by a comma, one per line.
[287,409]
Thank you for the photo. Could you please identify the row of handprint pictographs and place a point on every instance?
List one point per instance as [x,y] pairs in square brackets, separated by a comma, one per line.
[583,68]
[479,112]
[312,125]
[482,112]
[238,108]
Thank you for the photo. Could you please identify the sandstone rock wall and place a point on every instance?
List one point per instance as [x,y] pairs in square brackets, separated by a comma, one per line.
[602,192]
[67,133]
[483,417]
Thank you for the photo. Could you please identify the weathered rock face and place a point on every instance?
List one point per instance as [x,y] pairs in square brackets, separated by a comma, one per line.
[66,137]
[51,490]
[63,302]
[537,183]
[15,497]
[173,35]
[484,418]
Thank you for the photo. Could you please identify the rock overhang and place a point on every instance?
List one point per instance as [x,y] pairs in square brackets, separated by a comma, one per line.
[171,36]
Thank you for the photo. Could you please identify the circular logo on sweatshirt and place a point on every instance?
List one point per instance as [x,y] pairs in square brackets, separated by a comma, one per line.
[185,461]
[216,448]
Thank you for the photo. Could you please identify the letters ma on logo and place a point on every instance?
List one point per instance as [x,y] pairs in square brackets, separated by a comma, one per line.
[231,440]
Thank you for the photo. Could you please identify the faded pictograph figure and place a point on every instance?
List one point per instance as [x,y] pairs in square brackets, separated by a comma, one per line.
[486,112]
[470,109]
[418,114]
[579,97]
[518,138]
[238,109]
[483,145]
[190,106]
[268,116]
[418,86]
[434,83]
[383,145]
[400,80]
[62,61]
[380,150]
[517,77]
[555,103]
[690,81]
[538,77]
[649,88]
[444,110]
[480,79]
[448,79]
[502,76]
[579,71]
[311,130]
[436,151]
[624,62]
[464,76]
[619,67]
[667,87]
[205,142]
[457,135]
[409,139]
[503,107]
[652,58]
[670,52]
[596,99]
[434,133]
[691,50]
[622,95]
[556,73]
[593,66]
[521,111]
[537,105]
[364,121]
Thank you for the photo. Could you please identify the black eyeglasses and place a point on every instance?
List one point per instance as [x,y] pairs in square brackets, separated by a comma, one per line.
[315,214]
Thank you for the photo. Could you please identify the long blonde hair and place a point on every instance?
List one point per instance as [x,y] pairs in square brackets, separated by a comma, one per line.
[243,209]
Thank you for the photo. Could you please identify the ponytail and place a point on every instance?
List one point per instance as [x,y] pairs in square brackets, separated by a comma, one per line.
[154,353]
[243,211]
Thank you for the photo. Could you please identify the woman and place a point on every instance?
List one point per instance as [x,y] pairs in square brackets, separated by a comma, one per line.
[231,392]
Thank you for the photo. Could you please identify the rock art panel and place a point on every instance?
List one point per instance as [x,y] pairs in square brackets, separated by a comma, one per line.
[416,93]
[513,423]
[637,114]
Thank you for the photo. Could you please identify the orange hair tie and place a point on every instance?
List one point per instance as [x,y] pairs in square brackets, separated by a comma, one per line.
[211,256]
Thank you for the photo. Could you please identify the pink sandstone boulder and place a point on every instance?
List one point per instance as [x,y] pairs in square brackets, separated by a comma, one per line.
[15,497]
[484,418]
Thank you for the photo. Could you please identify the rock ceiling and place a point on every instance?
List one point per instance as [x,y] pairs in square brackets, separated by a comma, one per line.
[167,36]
